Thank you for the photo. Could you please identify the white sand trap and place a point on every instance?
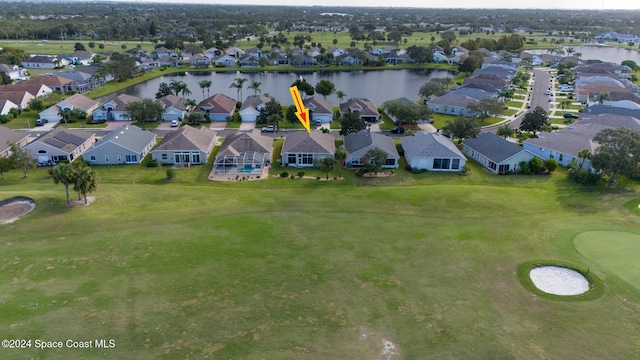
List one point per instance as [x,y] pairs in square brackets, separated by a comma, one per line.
[558,280]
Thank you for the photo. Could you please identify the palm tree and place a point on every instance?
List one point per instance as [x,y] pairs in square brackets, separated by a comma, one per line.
[570,50]
[602,97]
[341,95]
[185,91]
[205,84]
[255,86]
[63,174]
[506,131]
[191,104]
[86,180]
[238,84]
[564,104]
[340,156]
[578,55]
[177,87]
[65,114]
[584,155]
[326,164]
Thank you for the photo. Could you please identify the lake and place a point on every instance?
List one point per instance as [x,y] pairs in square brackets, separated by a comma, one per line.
[605,53]
[378,86]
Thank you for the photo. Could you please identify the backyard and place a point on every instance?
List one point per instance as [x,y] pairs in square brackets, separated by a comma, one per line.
[413,266]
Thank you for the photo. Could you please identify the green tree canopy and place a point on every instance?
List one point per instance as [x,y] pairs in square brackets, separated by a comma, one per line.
[272,108]
[304,87]
[407,113]
[487,107]
[351,123]
[434,87]
[618,152]
[534,120]
[145,110]
[373,160]
[462,128]
[325,88]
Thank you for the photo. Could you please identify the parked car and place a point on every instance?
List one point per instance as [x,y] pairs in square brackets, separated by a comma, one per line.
[318,123]
[570,116]
[175,123]
[397,130]
[40,122]
[269,128]
[547,92]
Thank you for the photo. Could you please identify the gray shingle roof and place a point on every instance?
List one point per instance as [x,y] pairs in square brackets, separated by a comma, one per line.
[366,107]
[10,136]
[432,145]
[493,147]
[188,138]
[318,105]
[65,139]
[130,137]
[357,141]
[242,142]
[315,142]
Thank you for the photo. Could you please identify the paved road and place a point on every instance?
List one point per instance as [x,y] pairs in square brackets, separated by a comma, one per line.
[541,83]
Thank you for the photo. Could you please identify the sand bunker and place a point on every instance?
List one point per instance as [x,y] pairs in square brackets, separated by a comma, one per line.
[12,209]
[558,280]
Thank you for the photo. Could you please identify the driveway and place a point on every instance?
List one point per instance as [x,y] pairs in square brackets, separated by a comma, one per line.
[542,81]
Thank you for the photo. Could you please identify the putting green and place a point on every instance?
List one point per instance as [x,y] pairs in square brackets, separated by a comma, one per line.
[615,251]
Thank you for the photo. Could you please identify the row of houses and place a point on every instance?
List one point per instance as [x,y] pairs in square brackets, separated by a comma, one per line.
[487,82]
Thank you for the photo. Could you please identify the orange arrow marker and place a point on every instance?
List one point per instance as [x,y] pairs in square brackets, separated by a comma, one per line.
[302,113]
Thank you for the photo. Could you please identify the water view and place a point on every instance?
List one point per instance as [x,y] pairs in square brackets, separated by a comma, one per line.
[379,86]
[604,53]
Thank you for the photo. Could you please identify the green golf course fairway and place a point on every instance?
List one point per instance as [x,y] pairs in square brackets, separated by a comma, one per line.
[616,252]
[307,269]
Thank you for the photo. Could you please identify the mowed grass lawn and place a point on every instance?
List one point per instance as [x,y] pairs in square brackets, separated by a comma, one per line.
[303,269]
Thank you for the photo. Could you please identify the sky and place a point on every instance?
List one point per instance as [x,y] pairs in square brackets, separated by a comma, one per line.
[469,4]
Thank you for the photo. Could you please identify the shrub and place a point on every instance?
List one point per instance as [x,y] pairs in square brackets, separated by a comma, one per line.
[171,173]
[300,173]
[551,165]
[400,149]
[284,174]
[583,176]
[152,164]
[292,176]
[524,168]
[535,165]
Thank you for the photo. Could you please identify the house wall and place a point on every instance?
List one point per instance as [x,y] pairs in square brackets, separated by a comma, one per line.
[545,154]
[219,117]
[168,157]
[324,118]
[449,110]
[113,154]
[511,162]
[426,163]
[173,114]
[115,115]
[50,115]
[31,65]
[354,159]
[249,114]
[40,150]
[299,162]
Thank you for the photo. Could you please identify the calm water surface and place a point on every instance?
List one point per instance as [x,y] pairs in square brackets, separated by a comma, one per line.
[379,86]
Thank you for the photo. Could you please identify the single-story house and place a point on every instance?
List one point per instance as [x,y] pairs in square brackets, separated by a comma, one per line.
[76,101]
[303,149]
[186,145]
[357,145]
[495,153]
[456,102]
[320,109]
[199,60]
[252,106]
[225,60]
[175,108]
[126,145]
[20,98]
[14,72]
[115,109]
[10,136]
[218,107]
[433,152]
[6,106]
[60,144]
[244,153]
[40,62]
[367,109]
[33,88]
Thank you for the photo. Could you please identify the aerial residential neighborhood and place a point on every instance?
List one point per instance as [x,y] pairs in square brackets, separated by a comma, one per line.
[286,182]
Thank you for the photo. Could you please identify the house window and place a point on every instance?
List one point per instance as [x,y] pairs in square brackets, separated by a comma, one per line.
[445,163]
[165,156]
[195,158]
[291,159]
[131,158]
[503,169]
[119,158]
[390,162]
[92,158]
[492,165]
[437,163]
[455,164]
[559,157]
[106,158]
[42,151]
[305,159]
